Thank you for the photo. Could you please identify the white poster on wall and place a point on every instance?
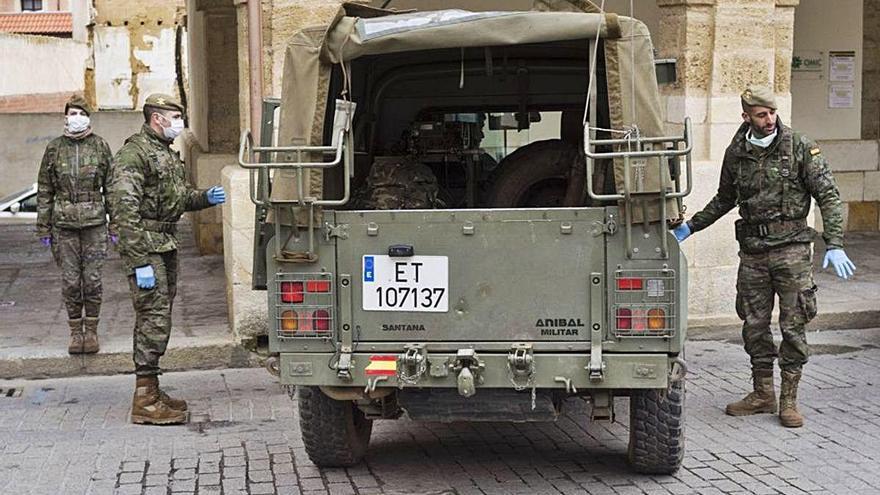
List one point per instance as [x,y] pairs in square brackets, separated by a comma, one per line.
[840,96]
[842,66]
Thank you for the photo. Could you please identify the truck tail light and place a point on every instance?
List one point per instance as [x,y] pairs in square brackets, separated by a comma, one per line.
[292,292]
[656,319]
[624,318]
[289,321]
[317,286]
[629,283]
[321,321]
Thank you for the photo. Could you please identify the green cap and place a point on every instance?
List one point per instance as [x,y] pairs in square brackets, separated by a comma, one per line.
[758,97]
[78,101]
[163,101]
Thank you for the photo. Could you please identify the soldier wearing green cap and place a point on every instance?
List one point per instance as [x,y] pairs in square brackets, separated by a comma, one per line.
[72,219]
[148,195]
[772,173]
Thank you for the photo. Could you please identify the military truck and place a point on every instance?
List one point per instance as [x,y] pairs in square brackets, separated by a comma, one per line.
[519,257]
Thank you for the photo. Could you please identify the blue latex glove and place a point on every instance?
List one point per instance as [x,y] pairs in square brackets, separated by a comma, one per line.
[146,279]
[841,263]
[47,241]
[216,195]
[682,232]
[114,239]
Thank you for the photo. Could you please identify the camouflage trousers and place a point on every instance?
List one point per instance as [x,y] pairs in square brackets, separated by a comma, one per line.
[152,308]
[786,272]
[80,254]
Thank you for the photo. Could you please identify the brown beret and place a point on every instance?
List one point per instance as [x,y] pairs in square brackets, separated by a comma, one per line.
[758,97]
[165,102]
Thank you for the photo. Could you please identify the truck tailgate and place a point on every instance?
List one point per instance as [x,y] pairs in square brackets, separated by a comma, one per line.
[471,275]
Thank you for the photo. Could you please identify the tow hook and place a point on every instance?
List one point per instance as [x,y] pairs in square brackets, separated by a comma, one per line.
[411,365]
[272,366]
[679,369]
[469,368]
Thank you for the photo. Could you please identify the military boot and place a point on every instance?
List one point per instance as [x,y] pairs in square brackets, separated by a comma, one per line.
[90,337]
[148,408]
[788,413]
[176,404]
[76,336]
[761,400]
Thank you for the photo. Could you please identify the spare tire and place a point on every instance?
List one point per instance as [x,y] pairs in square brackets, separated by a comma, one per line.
[541,174]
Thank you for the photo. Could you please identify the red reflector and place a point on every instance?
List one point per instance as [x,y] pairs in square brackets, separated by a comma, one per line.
[629,284]
[318,286]
[291,292]
[624,319]
[321,320]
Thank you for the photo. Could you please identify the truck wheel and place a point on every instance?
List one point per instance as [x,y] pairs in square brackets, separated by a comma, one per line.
[541,174]
[656,430]
[335,433]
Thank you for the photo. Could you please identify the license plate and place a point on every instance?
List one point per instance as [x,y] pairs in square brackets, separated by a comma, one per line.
[414,283]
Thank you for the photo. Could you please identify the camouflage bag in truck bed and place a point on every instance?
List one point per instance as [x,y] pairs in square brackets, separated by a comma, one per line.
[398,183]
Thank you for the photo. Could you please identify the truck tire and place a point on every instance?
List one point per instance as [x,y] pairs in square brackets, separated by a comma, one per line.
[541,174]
[656,430]
[335,433]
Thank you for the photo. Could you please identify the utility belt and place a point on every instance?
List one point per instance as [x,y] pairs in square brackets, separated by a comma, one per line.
[157,226]
[84,197]
[744,229]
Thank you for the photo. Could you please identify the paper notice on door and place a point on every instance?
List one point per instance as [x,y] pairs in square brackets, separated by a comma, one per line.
[842,66]
[840,96]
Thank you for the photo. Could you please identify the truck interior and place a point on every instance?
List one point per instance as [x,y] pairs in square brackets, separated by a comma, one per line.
[498,126]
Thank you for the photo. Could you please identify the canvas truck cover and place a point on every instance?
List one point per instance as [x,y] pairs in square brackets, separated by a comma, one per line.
[358,31]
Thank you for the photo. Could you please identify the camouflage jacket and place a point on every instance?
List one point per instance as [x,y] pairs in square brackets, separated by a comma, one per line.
[72,183]
[773,188]
[148,194]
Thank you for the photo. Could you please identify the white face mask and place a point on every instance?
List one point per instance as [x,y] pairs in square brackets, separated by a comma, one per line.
[174,129]
[77,123]
[762,142]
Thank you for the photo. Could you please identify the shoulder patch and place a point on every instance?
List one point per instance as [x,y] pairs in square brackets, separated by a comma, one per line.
[815,151]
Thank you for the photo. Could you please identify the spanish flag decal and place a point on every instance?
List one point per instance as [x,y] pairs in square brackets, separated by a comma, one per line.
[382,365]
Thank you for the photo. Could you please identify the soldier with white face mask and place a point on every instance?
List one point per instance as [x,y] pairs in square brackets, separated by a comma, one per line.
[72,219]
[148,194]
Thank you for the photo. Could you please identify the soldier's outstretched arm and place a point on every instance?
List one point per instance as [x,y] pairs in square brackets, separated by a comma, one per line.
[196,199]
[126,189]
[723,202]
[821,185]
[45,194]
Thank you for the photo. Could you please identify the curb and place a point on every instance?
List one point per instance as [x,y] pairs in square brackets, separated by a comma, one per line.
[730,328]
[211,355]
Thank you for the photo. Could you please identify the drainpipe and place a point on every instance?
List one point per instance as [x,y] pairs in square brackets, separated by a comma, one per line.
[255,63]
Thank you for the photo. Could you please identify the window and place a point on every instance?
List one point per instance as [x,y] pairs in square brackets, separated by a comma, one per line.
[501,137]
[31,5]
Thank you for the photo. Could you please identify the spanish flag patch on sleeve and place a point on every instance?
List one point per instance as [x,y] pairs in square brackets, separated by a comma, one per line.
[381,365]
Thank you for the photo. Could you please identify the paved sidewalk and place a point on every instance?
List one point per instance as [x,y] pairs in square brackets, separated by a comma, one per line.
[33,319]
[72,436]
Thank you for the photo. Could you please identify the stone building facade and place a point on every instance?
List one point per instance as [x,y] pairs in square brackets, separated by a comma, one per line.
[720,46]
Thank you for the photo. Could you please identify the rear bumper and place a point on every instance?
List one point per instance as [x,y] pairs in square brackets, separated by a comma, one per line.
[622,371]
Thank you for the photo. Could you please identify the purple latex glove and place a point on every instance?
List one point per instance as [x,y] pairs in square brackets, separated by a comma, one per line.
[114,239]
[47,241]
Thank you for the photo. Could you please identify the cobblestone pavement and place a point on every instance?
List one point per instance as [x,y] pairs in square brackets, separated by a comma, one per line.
[72,436]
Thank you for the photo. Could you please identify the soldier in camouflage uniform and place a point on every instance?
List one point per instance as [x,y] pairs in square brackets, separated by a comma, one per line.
[771,172]
[148,194]
[398,183]
[72,220]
